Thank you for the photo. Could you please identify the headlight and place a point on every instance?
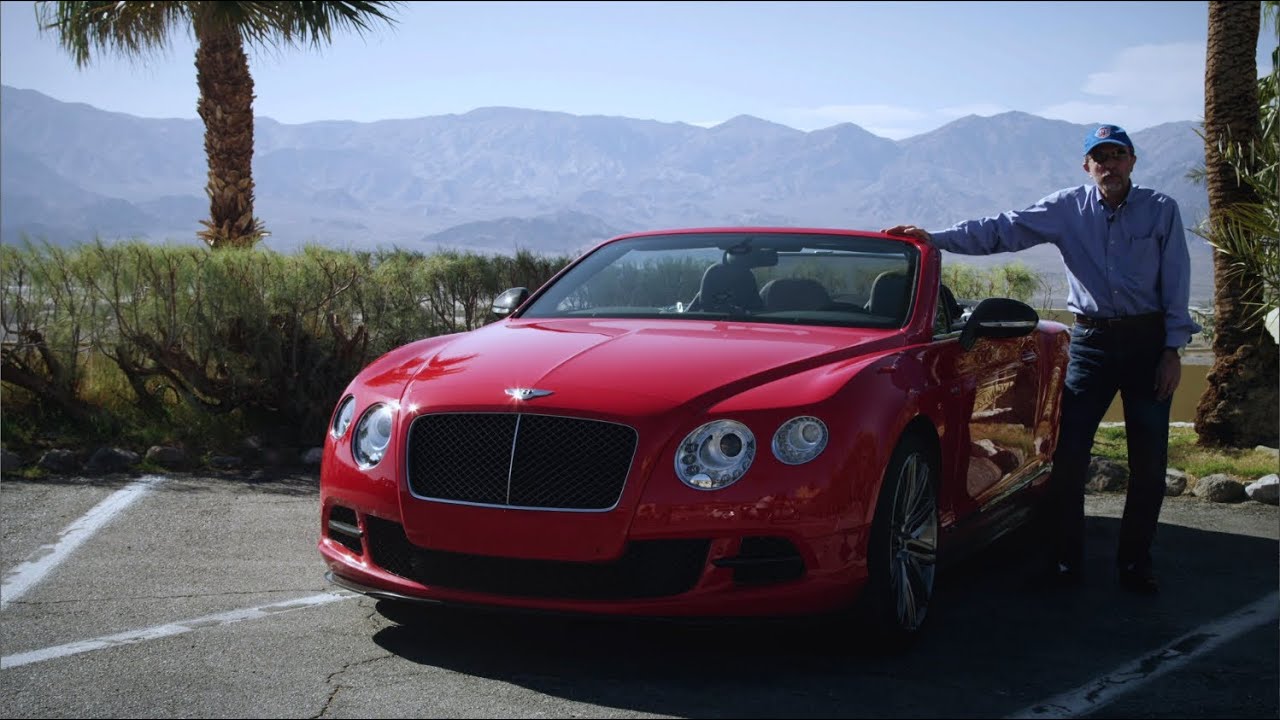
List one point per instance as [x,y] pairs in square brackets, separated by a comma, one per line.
[342,418]
[800,440]
[715,455]
[373,432]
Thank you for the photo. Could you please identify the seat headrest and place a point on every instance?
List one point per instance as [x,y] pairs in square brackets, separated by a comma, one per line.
[794,294]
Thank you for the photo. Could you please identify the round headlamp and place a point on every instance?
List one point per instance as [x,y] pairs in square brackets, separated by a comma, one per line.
[800,440]
[715,455]
[342,418]
[373,434]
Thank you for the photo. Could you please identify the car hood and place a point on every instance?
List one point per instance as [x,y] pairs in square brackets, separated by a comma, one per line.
[626,366]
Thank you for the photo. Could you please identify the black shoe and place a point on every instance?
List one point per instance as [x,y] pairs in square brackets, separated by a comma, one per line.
[1139,580]
[1057,576]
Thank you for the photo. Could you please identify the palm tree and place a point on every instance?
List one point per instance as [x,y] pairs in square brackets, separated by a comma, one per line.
[221,30]
[1249,233]
[1239,405]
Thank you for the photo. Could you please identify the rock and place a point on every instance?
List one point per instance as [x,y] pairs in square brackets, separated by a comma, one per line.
[59,461]
[983,448]
[1175,483]
[1265,489]
[983,473]
[1273,452]
[225,462]
[9,461]
[1219,488]
[1009,459]
[166,457]
[1106,476]
[111,459]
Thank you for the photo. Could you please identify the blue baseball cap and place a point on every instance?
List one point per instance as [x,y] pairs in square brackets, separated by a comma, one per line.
[1104,134]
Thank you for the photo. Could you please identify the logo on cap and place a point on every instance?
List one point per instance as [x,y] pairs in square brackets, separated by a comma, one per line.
[1103,131]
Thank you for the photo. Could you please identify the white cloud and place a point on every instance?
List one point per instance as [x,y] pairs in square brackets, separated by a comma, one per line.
[1146,85]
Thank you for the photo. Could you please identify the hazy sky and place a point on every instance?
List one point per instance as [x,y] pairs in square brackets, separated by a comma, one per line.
[896,69]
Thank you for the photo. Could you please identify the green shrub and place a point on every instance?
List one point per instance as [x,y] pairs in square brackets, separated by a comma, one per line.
[144,344]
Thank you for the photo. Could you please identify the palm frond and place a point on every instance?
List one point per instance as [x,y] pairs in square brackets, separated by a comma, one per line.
[131,29]
[1249,233]
[277,24]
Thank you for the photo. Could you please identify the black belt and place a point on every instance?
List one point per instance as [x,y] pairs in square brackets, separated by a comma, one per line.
[1130,321]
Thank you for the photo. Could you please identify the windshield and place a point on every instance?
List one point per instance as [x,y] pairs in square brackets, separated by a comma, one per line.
[775,277]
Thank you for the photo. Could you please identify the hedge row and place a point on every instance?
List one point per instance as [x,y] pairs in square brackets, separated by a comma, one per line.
[200,347]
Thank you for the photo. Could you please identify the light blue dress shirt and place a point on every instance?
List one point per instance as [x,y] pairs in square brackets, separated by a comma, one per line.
[1129,261]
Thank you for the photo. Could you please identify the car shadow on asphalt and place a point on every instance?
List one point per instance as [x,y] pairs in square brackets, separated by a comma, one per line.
[994,645]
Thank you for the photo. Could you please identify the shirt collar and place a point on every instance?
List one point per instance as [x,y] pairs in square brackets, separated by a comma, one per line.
[1095,198]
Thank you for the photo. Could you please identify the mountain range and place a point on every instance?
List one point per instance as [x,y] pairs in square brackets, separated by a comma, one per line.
[501,179]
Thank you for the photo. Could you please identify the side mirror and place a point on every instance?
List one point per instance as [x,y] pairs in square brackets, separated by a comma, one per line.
[509,300]
[998,318]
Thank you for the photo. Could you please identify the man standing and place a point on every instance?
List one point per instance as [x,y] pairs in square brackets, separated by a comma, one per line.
[1128,278]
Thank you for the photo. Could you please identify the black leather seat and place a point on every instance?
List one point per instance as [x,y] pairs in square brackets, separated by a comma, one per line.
[726,288]
[889,296]
[794,294]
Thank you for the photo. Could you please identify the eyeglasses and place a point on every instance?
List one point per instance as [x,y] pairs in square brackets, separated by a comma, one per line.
[1101,156]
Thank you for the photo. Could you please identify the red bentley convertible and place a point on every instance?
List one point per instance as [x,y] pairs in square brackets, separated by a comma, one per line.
[708,422]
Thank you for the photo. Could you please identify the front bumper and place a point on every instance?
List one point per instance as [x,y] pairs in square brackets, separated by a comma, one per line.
[766,574]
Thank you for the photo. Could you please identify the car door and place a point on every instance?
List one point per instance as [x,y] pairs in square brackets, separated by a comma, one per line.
[996,411]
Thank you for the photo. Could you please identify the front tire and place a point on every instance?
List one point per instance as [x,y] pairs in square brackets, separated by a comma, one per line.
[903,549]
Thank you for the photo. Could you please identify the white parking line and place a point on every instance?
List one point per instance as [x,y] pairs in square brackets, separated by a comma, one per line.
[1093,695]
[178,628]
[19,580]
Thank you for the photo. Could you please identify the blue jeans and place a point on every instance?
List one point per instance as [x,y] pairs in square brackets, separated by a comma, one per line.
[1104,361]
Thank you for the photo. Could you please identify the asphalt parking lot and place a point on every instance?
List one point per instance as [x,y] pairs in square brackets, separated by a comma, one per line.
[204,597]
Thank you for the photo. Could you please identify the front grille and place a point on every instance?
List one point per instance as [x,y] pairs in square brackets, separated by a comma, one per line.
[648,569]
[518,460]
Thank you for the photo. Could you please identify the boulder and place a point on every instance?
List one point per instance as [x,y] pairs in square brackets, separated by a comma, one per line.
[1220,488]
[166,457]
[1175,483]
[1265,489]
[59,461]
[1107,476]
[111,459]
[9,461]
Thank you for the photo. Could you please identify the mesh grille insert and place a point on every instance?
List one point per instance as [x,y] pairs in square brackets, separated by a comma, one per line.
[533,461]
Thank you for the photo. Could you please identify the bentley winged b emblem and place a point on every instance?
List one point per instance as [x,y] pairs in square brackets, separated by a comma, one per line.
[527,393]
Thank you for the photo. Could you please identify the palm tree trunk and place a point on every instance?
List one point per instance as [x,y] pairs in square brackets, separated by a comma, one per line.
[226,106]
[1239,406]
